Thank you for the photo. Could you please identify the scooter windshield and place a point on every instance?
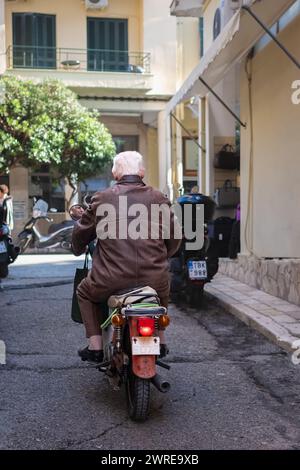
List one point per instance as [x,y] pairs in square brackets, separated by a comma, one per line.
[40,209]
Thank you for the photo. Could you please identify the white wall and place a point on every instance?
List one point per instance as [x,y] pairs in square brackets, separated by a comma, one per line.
[160,41]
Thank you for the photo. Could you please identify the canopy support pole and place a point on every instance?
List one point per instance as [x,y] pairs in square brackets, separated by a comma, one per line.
[269,32]
[222,102]
[188,132]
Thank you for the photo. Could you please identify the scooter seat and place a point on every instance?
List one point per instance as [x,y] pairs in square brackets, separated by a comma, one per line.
[132,296]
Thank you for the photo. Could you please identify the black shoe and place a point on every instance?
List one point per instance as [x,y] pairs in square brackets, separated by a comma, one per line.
[89,355]
[164,351]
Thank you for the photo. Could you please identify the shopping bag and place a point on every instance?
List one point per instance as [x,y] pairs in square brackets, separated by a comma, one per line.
[80,274]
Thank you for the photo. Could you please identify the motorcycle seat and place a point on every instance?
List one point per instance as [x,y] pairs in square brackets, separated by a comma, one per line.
[131,296]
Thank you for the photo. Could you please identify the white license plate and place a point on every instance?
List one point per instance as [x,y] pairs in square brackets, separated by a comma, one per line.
[3,248]
[145,346]
[197,270]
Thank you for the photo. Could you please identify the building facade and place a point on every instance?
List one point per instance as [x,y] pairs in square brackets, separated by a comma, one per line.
[122,57]
[259,83]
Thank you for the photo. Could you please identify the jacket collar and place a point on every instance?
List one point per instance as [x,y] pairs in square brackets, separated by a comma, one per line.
[131,179]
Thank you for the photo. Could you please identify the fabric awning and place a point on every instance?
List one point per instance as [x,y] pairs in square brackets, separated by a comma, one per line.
[238,36]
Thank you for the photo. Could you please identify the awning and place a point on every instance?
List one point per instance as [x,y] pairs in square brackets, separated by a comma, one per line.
[238,36]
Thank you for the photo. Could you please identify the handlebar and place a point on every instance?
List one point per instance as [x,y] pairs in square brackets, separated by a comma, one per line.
[44,217]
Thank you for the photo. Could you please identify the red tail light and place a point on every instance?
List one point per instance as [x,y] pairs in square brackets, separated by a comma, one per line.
[146,326]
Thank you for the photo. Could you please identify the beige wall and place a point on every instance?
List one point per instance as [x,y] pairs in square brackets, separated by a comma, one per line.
[71,19]
[160,41]
[188,47]
[276,165]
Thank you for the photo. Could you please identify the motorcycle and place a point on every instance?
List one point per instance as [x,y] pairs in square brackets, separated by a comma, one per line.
[59,235]
[8,252]
[192,269]
[131,344]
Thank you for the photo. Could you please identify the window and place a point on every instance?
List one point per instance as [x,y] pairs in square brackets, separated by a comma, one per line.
[34,40]
[107,44]
[125,143]
[201,33]
[45,185]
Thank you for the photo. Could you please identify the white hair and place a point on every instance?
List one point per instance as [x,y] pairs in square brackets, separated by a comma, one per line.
[128,163]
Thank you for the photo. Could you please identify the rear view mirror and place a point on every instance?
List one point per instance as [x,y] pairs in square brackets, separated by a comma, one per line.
[76,211]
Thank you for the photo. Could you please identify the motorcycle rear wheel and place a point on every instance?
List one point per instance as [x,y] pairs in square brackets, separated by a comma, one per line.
[194,296]
[138,397]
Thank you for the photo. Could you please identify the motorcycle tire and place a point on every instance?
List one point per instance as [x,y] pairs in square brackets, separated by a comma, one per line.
[138,397]
[194,296]
[23,244]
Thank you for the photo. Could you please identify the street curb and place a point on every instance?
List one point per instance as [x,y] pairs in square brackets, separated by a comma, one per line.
[37,285]
[267,327]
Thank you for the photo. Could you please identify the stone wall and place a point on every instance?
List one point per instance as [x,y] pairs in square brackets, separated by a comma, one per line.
[279,277]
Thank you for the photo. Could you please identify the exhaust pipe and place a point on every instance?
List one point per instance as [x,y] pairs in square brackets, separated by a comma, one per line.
[162,385]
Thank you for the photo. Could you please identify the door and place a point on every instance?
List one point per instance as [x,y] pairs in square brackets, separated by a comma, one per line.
[34,40]
[107,44]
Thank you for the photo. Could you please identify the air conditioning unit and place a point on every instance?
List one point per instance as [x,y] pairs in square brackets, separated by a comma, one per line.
[96,4]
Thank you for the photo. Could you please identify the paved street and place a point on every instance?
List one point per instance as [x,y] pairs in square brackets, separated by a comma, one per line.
[231,388]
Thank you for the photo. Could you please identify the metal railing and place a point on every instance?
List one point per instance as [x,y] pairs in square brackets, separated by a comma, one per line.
[94,60]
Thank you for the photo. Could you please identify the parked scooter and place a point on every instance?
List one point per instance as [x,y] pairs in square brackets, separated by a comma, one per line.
[192,269]
[8,252]
[59,235]
[131,344]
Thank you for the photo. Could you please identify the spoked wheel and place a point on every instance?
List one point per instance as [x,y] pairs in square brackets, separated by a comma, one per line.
[138,397]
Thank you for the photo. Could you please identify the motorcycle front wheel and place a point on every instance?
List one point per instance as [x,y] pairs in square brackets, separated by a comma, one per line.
[138,397]
[23,244]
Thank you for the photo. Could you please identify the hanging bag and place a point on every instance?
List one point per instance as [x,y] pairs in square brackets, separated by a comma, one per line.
[80,274]
[228,196]
[227,158]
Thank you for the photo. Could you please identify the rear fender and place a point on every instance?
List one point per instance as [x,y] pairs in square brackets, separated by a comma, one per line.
[142,366]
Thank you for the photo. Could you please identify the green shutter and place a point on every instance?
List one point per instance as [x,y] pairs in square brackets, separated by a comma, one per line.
[34,40]
[107,44]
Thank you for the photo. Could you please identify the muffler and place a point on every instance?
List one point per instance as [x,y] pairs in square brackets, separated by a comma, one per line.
[162,385]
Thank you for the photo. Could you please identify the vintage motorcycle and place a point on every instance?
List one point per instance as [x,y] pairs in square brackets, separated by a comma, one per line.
[131,344]
[59,235]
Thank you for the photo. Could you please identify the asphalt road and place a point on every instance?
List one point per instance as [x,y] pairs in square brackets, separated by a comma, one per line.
[231,388]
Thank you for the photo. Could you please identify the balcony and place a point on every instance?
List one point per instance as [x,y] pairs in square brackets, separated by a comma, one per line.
[87,68]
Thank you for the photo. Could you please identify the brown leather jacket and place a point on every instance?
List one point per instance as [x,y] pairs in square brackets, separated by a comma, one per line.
[124,263]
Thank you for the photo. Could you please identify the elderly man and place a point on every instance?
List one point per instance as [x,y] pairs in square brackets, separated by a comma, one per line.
[122,262]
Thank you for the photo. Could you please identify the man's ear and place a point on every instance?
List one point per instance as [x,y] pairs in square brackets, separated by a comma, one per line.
[142,173]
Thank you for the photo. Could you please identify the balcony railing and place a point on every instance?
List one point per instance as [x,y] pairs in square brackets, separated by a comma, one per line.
[93,60]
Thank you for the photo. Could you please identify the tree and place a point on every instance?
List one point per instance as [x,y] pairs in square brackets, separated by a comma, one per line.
[45,123]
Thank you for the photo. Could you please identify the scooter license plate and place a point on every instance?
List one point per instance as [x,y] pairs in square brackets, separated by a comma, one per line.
[145,346]
[3,248]
[197,270]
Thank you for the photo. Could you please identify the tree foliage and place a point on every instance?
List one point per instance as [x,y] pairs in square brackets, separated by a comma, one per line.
[44,123]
